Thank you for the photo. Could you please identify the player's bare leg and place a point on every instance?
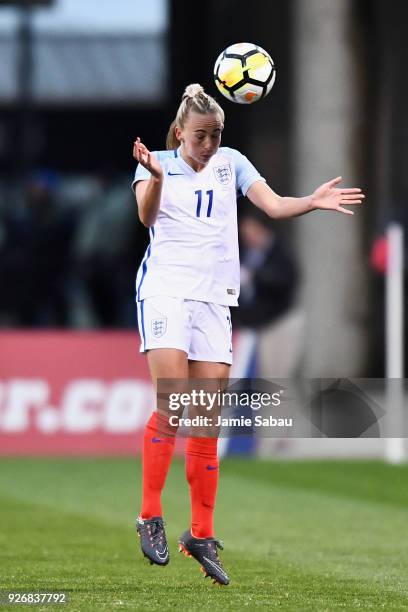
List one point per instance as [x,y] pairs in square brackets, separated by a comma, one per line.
[167,363]
[208,369]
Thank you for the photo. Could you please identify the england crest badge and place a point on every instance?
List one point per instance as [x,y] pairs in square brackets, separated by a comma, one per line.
[223,174]
[159,327]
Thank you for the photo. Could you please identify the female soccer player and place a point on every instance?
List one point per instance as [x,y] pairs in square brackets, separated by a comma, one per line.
[188,279]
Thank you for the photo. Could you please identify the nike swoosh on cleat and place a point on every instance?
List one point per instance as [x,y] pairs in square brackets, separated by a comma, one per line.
[217,567]
[211,467]
[175,173]
[163,555]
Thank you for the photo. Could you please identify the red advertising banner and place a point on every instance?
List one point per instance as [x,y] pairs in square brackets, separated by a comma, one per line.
[73,393]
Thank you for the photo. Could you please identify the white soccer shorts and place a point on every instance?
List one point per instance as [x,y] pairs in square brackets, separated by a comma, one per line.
[201,329]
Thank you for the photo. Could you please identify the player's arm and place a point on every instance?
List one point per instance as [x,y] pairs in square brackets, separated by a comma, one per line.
[326,197]
[148,192]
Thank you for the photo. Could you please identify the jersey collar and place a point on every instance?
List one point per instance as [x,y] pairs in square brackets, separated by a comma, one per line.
[177,153]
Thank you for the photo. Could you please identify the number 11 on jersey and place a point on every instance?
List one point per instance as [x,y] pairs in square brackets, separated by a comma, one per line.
[199,194]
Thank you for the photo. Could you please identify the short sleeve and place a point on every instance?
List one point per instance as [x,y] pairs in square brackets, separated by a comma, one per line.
[245,172]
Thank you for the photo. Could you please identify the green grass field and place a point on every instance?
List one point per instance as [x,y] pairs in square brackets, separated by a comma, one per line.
[298,536]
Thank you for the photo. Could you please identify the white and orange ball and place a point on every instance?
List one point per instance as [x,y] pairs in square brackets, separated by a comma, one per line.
[244,73]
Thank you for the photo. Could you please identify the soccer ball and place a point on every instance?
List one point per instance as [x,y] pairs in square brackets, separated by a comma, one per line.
[244,73]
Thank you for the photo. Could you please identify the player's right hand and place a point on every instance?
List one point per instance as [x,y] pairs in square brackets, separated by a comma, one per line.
[142,154]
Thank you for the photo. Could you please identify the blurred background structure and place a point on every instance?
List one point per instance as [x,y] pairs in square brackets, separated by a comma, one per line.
[80,80]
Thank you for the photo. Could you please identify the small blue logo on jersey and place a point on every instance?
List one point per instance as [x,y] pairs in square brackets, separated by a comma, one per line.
[159,327]
[174,173]
[223,174]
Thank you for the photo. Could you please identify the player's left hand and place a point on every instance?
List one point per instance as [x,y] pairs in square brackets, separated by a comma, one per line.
[330,197]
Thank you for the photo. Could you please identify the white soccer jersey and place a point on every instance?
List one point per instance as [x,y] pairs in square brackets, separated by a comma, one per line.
[193,250]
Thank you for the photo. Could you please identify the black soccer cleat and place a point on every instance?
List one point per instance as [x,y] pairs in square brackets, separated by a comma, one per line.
[204,550]
[153,540]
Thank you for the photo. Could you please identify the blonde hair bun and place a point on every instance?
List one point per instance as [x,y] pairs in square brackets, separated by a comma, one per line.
[193,90]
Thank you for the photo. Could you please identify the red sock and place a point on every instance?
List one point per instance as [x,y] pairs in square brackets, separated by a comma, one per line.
[202,475]
[157,454]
